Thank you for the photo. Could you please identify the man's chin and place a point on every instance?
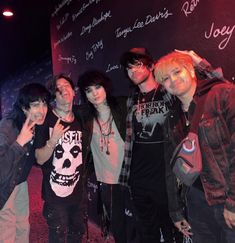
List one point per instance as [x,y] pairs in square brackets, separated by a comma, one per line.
[40,122]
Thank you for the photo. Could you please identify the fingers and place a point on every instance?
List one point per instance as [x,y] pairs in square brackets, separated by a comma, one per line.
[27,121]
[66,129]
[229,218]
[32,124]
[228,224]
[58,121]
[184,227]
[184,52]
[59,130]
[29,124]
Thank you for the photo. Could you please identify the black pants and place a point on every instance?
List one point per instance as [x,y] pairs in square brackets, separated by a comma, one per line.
[152,215]
[112,197]
[66,223]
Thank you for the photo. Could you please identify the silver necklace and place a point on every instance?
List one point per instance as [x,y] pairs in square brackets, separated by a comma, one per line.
[143,100]
[70,118]
[187,122]
[105,131]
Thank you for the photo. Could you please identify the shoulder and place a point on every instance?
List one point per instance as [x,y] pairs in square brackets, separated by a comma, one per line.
[222,89]
[7,126]
[8,131]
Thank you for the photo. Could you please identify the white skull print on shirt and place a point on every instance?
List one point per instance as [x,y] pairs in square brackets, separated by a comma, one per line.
[67,163]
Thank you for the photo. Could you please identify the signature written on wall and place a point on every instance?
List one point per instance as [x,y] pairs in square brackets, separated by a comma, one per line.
[224,33]
[103,17]
[189,6]
[63,39]
[94,48]
[83,8]
[62,21]
[60,6]
[111,67]
[139,24]
[68,60]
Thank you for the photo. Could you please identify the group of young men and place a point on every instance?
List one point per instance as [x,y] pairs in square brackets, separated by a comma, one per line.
[130,144]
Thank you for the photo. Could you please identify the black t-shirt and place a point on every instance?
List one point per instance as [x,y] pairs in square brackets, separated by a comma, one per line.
[148,166]
[62,173]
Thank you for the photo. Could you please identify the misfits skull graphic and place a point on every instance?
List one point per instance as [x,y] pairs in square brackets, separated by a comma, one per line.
[67,162]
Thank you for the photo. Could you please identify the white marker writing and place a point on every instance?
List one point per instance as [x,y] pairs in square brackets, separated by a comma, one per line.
[226,31]
[188,7]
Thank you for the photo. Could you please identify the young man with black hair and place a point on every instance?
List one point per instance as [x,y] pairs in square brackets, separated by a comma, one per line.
[17,158]
[61,150]
[144,167]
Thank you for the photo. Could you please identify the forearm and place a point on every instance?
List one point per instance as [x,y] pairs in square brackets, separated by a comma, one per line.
[43,154]
[203,66]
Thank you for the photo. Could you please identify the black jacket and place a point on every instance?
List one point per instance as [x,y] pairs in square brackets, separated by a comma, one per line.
[15,160]
[216,133]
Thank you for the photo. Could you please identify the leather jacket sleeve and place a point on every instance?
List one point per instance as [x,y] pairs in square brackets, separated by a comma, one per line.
[175,202]
[230,121]
[175,197]
[10,151]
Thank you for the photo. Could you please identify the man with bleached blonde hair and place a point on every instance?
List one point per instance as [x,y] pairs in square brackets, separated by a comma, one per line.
[208,105]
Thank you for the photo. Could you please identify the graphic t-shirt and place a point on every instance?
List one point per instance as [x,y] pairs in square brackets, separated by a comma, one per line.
[107,166]
[62,173]
[148,166]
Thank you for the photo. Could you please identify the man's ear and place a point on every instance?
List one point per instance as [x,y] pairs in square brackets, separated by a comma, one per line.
[151,67]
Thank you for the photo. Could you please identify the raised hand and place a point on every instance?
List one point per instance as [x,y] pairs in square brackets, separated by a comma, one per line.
[196,59]
[27,132]
[57,132]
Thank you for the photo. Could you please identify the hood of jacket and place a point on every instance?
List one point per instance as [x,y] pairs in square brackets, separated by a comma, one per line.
[203,86]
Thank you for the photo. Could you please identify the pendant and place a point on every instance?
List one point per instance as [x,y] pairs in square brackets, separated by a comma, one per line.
[187,123]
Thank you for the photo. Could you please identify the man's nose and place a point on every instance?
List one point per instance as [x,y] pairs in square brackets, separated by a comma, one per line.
[94,92]
[173,78]
[43,109]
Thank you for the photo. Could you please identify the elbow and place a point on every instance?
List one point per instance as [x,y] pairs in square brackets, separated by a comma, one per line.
[38,157]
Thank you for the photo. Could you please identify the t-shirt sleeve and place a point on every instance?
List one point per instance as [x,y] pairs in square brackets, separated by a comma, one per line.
[41,135]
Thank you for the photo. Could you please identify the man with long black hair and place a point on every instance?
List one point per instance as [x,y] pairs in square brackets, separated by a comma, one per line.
[106,121]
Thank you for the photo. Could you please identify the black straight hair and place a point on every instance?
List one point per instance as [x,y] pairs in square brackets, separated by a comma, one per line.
[94,77]
[27,94]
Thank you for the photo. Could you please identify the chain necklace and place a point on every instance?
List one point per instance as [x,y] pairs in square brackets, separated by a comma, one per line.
[187,122]
[67,118]
[105,131]
[143,101]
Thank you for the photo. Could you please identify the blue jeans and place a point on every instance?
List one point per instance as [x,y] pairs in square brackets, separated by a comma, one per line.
[208,224]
